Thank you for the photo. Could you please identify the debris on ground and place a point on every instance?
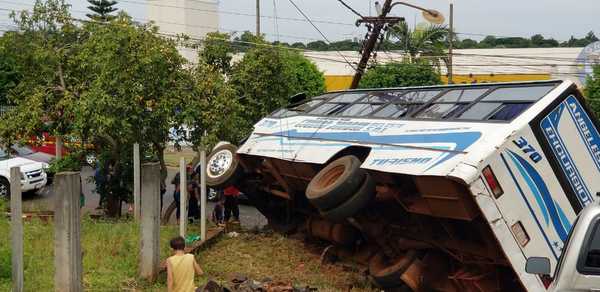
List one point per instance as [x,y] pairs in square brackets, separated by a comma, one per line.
[241,283]
[233,234]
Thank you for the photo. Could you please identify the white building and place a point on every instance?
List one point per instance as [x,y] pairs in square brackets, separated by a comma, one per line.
[194,18]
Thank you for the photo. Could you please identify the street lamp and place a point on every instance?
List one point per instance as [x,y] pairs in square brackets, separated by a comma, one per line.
[431,15]
[378,22]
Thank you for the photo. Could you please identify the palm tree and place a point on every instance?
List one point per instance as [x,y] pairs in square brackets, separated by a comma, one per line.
[424,42]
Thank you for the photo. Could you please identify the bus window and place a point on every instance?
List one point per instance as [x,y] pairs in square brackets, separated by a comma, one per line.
[509,111]
[480,111]
[451,103]
[520,94]
[359,109]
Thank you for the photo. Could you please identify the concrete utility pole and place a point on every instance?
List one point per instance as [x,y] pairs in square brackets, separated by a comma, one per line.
[68,273]
[451,43]
[257,17]
[203,193]
[183,212]
[378,23]
[58,146]
[16,229]
[150,222]
[136,182]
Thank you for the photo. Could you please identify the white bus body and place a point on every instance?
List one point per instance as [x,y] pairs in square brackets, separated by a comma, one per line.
[529,167]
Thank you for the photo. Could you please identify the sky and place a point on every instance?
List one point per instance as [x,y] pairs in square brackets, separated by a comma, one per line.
[558,19]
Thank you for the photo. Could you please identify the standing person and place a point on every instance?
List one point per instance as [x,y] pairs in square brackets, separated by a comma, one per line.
[176,195]
[181,268]
[231,203]
[193,199]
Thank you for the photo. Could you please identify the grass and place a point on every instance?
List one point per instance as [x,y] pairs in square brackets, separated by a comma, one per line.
[110,257]
[172,157]
[278,258]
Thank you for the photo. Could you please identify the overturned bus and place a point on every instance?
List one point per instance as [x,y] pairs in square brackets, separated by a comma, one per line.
[445,188]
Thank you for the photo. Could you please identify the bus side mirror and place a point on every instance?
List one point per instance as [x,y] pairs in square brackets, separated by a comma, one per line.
[538,266]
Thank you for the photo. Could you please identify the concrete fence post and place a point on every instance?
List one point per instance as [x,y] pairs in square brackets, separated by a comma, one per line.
[150,221]
[203,193]
[16,229]
[183,212]
[136,181]
[67,231]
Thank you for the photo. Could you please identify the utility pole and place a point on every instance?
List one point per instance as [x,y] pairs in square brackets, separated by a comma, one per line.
[450,43]
[257,17]
[378,22]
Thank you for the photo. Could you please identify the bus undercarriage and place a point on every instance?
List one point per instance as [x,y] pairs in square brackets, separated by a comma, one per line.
[412,233]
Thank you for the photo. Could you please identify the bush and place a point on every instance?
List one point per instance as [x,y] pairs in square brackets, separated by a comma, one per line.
[592,90]
[267,76]
[397,74]
[70,162]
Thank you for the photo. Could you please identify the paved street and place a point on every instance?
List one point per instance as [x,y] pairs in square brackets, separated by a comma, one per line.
[44,200]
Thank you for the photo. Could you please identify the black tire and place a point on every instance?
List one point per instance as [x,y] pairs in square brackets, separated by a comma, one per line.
[222,175]
[357,202]
[4,189]
[387,274]
[168,213]
[336,183]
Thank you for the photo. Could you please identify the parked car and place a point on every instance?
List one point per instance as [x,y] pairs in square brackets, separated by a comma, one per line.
[33,174]
[578,268]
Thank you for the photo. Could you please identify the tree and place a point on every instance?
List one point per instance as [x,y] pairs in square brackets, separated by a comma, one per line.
[423,41]
[112,84]
[397,74]
[317,46]
[468,44]
[102,10]
[267,76]
[592,90]
[9,71]
[217,51]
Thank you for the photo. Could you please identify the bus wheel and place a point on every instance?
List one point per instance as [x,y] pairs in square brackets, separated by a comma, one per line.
[354,204]
[388,274]
[335,183]
[222,166]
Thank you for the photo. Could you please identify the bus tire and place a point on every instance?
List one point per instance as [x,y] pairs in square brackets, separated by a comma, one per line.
[354,204]
[335,183]
[222,166]
[389,274]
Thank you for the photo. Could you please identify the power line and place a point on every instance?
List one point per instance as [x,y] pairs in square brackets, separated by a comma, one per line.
[237,13]
[350,8]
[320,32]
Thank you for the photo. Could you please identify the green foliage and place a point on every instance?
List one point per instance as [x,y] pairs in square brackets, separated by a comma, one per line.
[266,77]
[9,71]
[592,90]
[421,42]
[70,162]
[400,74]
[217,51]
[102,10]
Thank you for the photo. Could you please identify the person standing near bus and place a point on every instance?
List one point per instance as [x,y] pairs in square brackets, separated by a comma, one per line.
[231,194]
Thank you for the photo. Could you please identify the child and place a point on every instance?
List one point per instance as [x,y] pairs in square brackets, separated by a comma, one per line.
[217,214]
[181,268]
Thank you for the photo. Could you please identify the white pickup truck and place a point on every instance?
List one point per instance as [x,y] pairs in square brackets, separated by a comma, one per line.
[33,175]
[578,268]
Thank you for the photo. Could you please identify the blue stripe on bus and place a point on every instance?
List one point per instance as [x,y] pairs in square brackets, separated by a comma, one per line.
[528,205]
[539,189]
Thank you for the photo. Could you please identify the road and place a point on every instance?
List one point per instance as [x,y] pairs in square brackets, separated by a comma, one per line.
[44,200]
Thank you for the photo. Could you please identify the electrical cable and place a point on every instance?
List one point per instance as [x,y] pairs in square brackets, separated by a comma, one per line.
[320,32]
[350,8]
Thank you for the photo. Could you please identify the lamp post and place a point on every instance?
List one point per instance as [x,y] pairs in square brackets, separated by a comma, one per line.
[378,22]
[451,43]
